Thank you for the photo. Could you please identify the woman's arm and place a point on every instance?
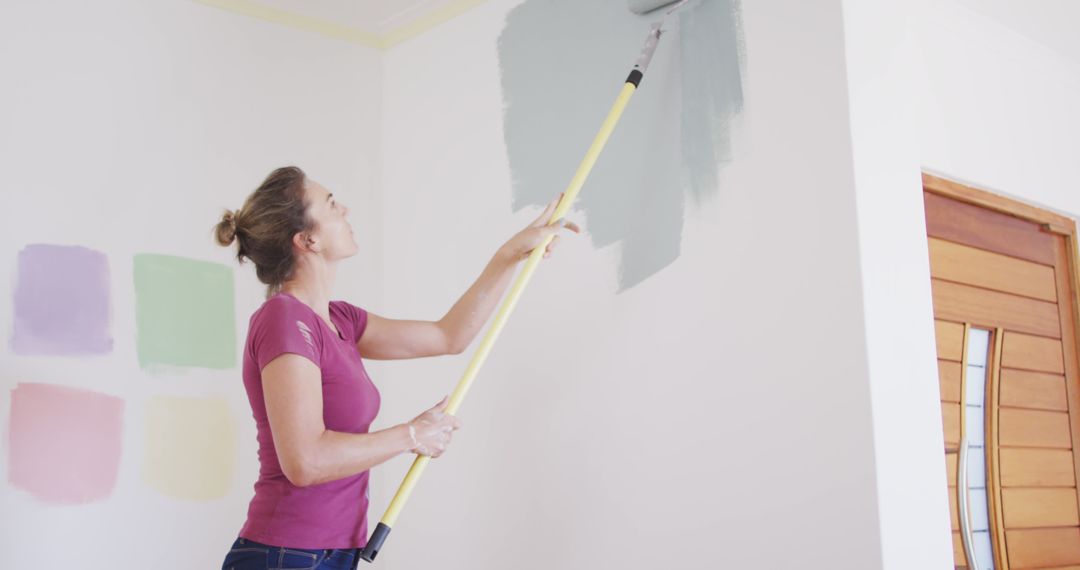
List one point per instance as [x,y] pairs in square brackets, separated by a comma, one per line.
[386,339]
[392,339]
[311,454]
[464,320]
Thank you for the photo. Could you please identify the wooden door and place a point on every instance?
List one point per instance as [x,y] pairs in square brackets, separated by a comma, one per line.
[1005,305]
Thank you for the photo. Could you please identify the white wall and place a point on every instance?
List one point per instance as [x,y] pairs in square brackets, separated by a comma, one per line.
[126,127]
[716,415]
[997,108]
[907,428]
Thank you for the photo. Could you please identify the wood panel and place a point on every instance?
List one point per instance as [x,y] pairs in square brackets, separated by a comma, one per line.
[950,340]
[1038,508]
[950,422]
[1038,390]
[954,509]
[988,270]
[1067,274]
[993,455]
[992,231]
[959,557]
[949,380]
[1022,467]
[951,465]
[1039,548]
[1032,353]
[1034,428]
[996,203]
[957,302]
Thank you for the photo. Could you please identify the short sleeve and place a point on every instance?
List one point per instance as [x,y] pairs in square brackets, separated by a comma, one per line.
[285,326]
[355,316]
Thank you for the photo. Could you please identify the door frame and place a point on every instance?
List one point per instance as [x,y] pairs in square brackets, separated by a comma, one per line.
[1049,222]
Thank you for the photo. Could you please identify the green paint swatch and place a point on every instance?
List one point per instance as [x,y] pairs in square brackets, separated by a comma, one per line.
[184,312]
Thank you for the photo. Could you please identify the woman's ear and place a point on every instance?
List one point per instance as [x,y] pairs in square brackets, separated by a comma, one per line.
[304,241]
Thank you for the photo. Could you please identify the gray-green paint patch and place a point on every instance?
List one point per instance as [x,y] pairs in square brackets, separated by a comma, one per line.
[562,64]
[184,313]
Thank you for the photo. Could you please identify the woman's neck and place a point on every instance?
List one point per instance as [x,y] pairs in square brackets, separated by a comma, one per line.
[312,286]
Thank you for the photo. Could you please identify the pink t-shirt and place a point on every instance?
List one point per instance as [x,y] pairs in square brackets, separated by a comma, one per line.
[331,514]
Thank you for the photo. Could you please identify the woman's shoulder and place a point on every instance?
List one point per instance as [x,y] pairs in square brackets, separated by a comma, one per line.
[284,324]
[353,316]
[341,305]
[281,306]
[348,309]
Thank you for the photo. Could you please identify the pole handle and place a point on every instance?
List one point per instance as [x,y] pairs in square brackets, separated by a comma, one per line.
[480,356]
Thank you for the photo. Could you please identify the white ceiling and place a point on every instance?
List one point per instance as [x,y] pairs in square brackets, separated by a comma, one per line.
[374,16]
[1053,23]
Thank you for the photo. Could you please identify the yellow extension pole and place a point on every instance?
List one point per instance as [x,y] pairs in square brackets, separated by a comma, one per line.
[521,281]
[512,297]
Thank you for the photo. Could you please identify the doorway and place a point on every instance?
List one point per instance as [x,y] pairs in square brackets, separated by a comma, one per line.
[1004,282]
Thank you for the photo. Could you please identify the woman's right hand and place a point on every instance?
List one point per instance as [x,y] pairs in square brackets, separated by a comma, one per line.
[432,430]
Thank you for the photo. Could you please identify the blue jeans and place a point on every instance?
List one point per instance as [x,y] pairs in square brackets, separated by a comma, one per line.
[249,555]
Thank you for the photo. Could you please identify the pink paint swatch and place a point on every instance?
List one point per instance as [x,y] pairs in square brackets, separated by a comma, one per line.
[62,301]
[64,443]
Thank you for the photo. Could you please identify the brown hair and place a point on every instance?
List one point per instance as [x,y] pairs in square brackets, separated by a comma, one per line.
[265,225]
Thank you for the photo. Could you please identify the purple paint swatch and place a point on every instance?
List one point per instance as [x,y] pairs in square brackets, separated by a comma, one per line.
[64,443]
[62,301]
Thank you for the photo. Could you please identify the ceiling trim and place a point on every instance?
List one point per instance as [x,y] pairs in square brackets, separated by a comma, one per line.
[440,15]
[296,21]
[349,34]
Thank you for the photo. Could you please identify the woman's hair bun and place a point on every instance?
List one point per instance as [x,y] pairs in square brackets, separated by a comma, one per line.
[226,228]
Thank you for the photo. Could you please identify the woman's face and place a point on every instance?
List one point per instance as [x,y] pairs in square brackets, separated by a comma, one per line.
[332,234]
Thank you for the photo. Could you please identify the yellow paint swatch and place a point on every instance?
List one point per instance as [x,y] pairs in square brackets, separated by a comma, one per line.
[190,447]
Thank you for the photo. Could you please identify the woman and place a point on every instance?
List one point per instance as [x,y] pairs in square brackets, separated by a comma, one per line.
[310,395]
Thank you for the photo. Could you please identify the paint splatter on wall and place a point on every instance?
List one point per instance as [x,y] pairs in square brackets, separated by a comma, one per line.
[562,63]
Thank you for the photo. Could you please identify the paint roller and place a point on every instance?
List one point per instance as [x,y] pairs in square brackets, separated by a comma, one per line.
[382,530]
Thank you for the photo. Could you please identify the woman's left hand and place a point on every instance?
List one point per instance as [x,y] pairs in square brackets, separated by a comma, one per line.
[524,242]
